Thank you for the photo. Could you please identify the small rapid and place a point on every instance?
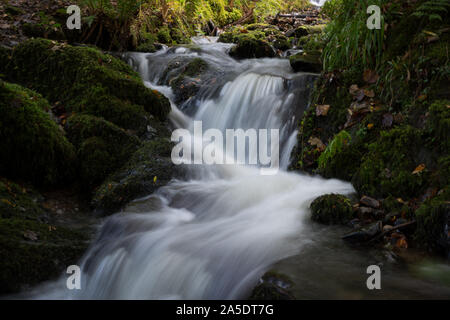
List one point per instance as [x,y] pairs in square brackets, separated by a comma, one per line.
[214,234]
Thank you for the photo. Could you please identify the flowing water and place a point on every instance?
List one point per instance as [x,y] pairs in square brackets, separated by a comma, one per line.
[212,235]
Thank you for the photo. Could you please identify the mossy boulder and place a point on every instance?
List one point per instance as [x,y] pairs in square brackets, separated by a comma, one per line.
[102,146]
[149,168]
[189,81]
[306,30]
[146,47]
[249,47]
[19,201]
[433,223]
[33,252]
[387,168]
[33,147]
[332,209]
[86,80]
[305,62]
[32,249]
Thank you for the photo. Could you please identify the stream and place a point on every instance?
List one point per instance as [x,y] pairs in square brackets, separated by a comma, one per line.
[215,233]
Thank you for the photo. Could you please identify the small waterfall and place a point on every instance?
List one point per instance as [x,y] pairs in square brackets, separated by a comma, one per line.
[213,236]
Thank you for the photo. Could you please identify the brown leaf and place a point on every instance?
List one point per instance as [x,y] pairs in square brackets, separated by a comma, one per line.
[370,126]
[369,93]
[30,235]
[317,143]
[322,109]
[370,76]
[419,168]
[353,90]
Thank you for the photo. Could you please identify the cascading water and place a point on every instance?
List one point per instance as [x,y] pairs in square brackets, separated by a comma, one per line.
[212,236]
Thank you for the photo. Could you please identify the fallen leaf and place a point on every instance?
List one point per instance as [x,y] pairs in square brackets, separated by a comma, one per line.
[322,110]
[30,235]
[353,89]
[370,76]
[370,126]
[154,179]
[419,168]
[369,93]
[316,142]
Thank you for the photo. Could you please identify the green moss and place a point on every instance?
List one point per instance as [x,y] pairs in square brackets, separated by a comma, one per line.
[76,76]
[148,169]
[102,146]
[33,147]
[28,262]
[146,47]
[439,124]
[341,158]
[387,168]
[251,45]
[305,62]
[432,224]
[19,201]
[331,209]
[164,35]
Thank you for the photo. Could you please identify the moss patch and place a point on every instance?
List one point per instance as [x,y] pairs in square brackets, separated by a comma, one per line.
[33,147]
[86,80]
[331,209]
[102,146]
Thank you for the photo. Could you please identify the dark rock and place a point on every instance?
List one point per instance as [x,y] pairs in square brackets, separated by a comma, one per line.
[273,286]
[331,209]
[370,202]
[149,168]
[305,62]
[364,234]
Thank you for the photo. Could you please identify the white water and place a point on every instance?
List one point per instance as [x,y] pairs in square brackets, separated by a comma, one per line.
[211,237]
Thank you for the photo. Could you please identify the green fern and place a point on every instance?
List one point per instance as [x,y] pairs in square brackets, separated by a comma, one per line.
[432,10]
[340,141]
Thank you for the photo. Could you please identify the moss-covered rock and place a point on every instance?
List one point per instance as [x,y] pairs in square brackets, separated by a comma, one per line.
[387,169]
[433,223]
[331,209]
[305,62]
[19,201]
[273,286]
[86,80]
[189,81]
[102,146]
[33,252]
[249,45]
[33,147]
[32,249]
[149,168]
[341,158]
[306,30]
[146,47]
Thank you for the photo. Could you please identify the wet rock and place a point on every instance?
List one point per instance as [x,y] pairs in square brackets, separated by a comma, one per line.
[33,147]
[248,47]
[305,62]
[370,202]
[149,168]
[273,286]
[364,234]
[332,209]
